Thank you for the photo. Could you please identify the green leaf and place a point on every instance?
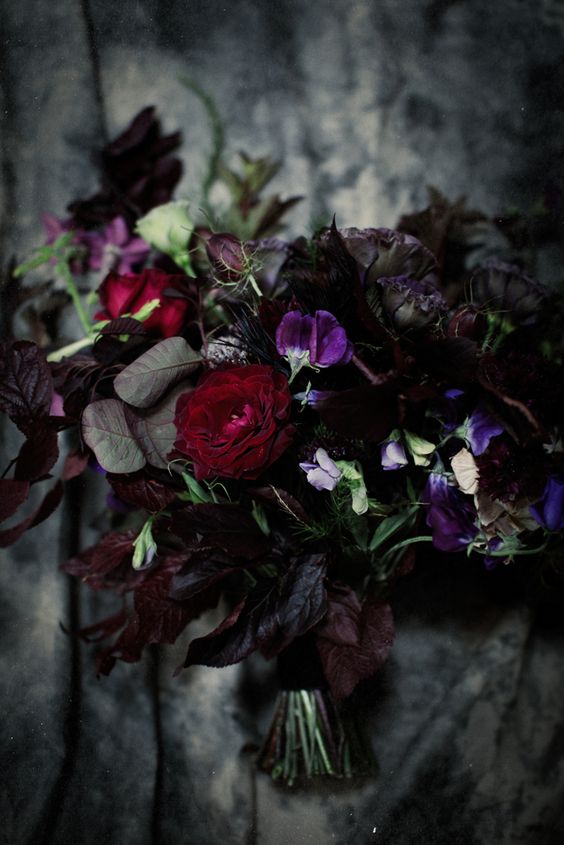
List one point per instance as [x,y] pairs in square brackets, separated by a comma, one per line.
[391,525]
[105,429]
[144,381]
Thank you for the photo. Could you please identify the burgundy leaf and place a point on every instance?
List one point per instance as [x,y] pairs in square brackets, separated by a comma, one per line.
[142,492]
[273,615]
[50,502]
[75,464]
[354,640]
[204,568]
[124,325]
[26,385]
[13,493]
[229,527]
[112,550]
[104,628]
[38,454]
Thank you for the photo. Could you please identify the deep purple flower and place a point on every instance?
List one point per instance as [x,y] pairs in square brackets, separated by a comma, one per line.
[492,561]
[393,455]
[322,473]
[451,515]
[318,341]
[510,472]
[505,287]
[382,253]
[481,427]
[549,511]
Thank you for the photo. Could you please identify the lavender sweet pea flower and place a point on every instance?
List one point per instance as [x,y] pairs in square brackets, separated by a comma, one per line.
[318,341]
[481,427]
[451,515]
[549,511]
[322,473]
[393,455]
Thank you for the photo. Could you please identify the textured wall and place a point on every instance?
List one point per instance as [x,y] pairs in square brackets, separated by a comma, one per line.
[366,103]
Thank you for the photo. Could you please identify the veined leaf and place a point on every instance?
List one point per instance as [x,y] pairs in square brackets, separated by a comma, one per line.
[105,429]
[145,380]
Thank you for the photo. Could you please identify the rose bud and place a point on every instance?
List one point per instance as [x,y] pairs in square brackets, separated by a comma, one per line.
[128,293]
[468,321]
[227,257]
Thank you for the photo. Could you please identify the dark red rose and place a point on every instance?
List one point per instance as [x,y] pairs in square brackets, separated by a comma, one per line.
[234,424]
[125,294]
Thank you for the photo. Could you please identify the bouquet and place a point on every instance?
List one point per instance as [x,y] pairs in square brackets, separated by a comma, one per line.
[281,424]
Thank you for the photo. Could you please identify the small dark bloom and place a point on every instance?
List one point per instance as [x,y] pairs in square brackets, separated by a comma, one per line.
[409,303]
[451,515]
[549,511]
[468,321]
[227,257]
[510,472]
[385,253]
[506,288]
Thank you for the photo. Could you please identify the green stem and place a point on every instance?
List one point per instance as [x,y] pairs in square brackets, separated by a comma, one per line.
[69,349]
[62,268]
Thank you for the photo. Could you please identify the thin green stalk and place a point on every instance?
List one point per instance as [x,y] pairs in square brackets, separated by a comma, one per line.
[69,349]
[62,268]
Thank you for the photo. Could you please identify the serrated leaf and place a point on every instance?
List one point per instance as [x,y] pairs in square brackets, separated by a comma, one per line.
[353,641]
[144,381]
[26,384]
[106,431]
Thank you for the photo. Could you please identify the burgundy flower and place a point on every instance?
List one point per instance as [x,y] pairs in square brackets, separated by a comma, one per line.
[510,472]
[235,423]
[126,294]
[227,257]
[318,341]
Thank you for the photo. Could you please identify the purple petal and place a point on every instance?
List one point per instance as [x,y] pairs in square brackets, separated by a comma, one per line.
[549,511]
[293,333]
[481,428]
[393,455]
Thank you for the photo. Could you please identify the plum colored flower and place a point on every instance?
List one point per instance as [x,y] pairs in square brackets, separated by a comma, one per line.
[235,423]
[227,257]
[410,303]
[127,293]
[322,473]
[481,427]
[549,511]
[393,455]
[451,515]
[115,249]
[318,341]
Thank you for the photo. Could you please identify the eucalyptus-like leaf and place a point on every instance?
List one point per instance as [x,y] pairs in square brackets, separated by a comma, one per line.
[106,430]
[154,429]
[144,381]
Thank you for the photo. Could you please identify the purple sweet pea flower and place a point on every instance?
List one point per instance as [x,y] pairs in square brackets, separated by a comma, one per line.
[480,430]
[393,455]
[322,473]
[451,515]
[115,248]
[490,561]
[549,511]
[318,341]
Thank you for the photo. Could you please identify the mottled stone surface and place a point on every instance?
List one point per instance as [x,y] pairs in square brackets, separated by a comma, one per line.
[366,103]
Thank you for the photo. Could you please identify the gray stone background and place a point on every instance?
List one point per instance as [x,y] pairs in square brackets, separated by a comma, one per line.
[366,103]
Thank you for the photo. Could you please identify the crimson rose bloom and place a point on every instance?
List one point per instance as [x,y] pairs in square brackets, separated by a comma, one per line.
[234,424]
[125,294]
